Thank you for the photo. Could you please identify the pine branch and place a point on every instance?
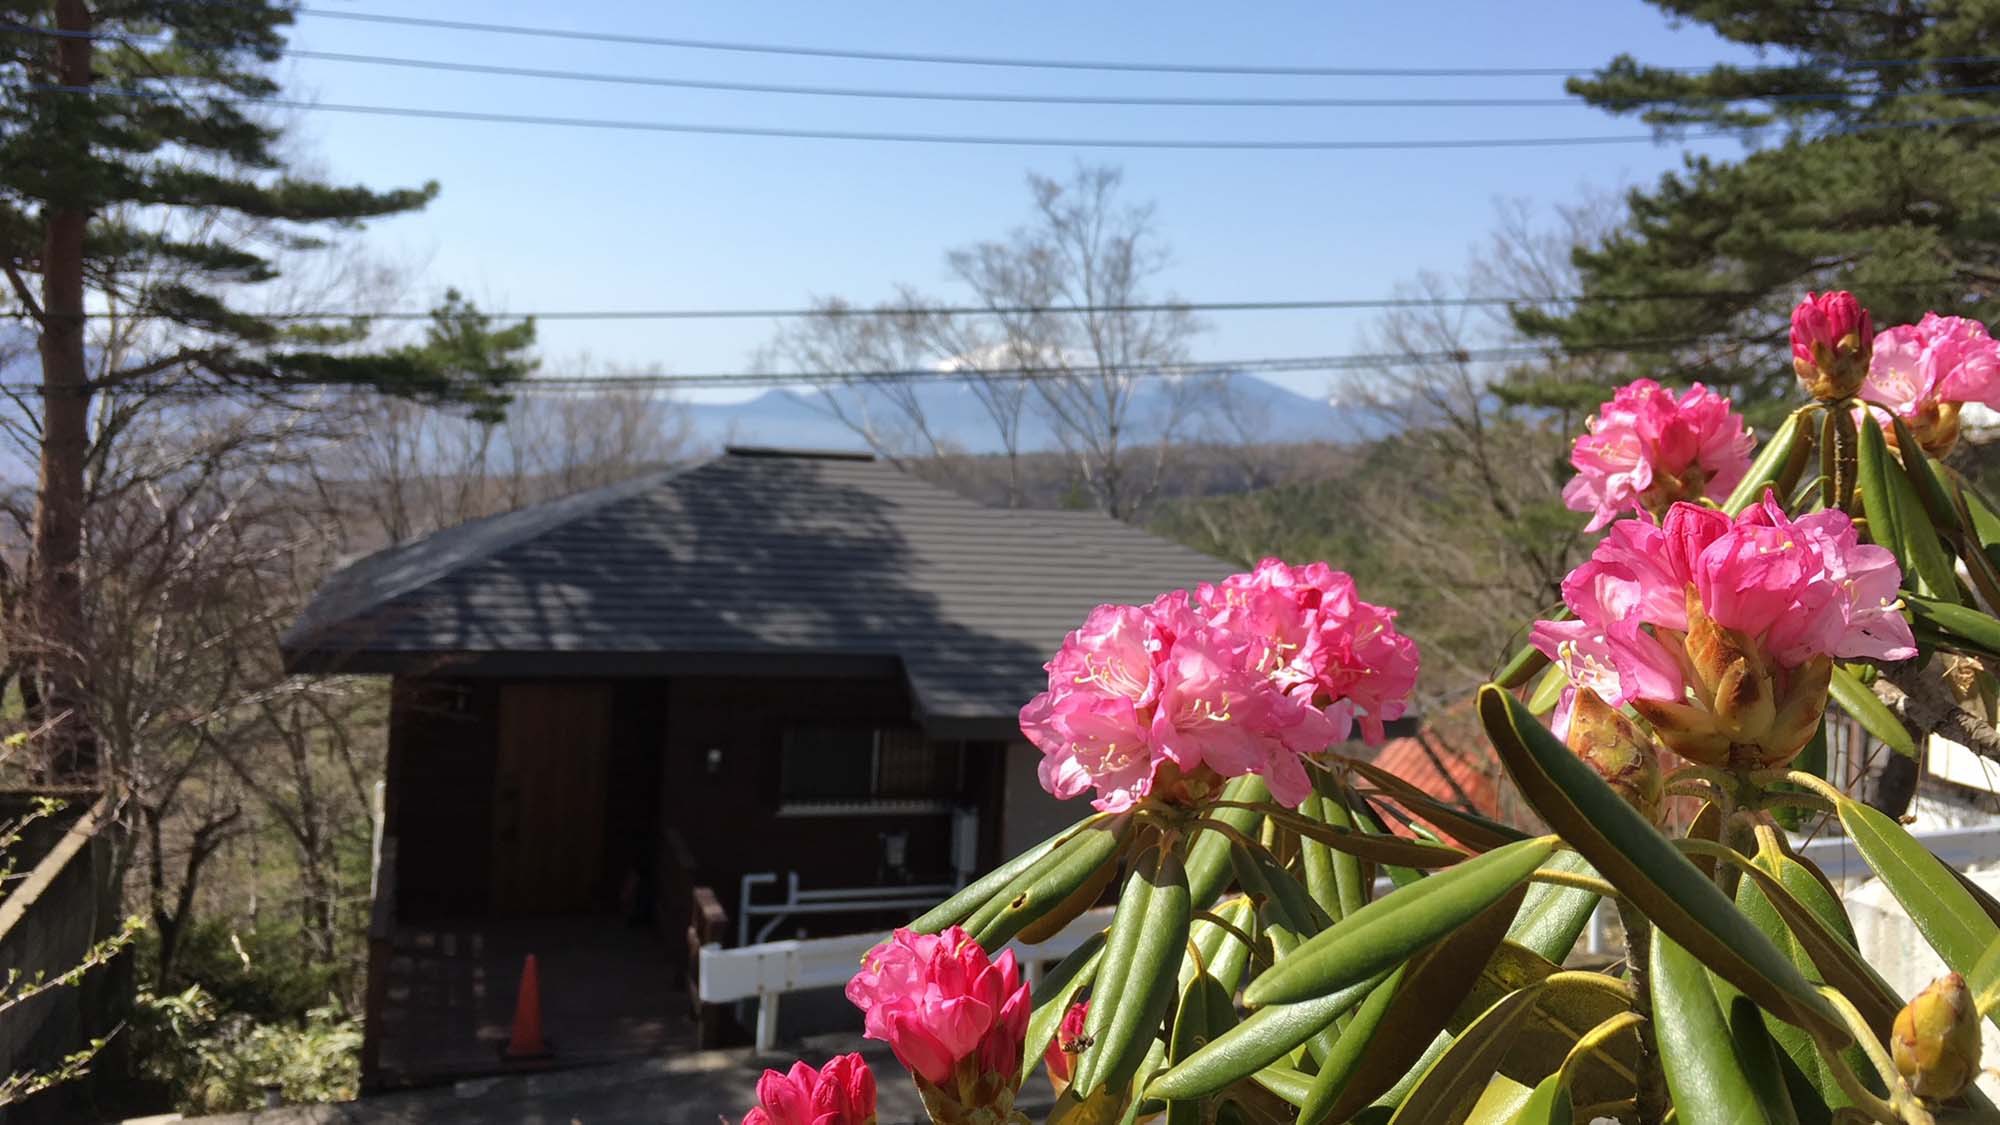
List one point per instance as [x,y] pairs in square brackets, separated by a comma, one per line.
[24,292]
[164,363]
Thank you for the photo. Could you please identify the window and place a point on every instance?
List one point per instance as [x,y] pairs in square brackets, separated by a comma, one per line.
[822,768]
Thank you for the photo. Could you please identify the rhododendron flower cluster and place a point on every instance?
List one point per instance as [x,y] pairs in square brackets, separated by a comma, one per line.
[1244,677]
[1721,632]
[1832,338]
[1647,448]
[1922,372]
[840,1093]
[957,1019]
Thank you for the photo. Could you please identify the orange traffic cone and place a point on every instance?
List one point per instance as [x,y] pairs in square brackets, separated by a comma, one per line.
[527,1042]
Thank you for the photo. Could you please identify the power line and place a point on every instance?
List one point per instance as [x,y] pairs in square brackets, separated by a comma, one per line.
[1058,64]
[974,139]
[1345,362]
[1330,304]
[1006,98]
[1186,102]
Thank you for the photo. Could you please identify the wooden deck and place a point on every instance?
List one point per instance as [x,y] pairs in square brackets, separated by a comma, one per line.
[609,992]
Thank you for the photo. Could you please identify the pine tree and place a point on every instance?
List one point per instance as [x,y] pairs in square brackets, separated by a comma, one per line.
[1878,148]
[137,176]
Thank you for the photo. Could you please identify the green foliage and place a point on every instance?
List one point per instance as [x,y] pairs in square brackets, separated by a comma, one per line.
[258,973]
[216,1061]
[1854,191]
[191,208]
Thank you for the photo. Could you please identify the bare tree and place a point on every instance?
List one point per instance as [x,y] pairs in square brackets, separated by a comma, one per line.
[1057,331]
[404,469]
[1475,448]
[1088,249]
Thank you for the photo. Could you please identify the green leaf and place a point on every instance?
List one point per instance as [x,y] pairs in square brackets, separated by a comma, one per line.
[1971,626]
[1697,1051]
[1291,1085]
[1949,918]
[1057,991]
[1460,1075]
[1896,520]
[1808,1065]
[1759,1058]
[1547,1105]
[1502,1099]
[1333,877]
[1043,889]
[1778,884]
[1135,983]
[961,906]
[1222,954]
[1552,917]
[1924,480]
[1201,1003]
[1548,692]
[1985,521]
[1265,1036]
[1288,905]
[1984,980]
[1208,860]
[1471,829]
[1396,1024]
[1785,451]
[1388,930]
[1856,699]
[1647,868]
[1365,845]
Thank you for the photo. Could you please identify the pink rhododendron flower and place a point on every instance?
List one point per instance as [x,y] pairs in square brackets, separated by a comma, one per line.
[1647,448]
[1923,372]
[1832,337]
[951,1015]
[1244,678]
[1067,1045]
[1713,627]
[840,1093]
[1317,640]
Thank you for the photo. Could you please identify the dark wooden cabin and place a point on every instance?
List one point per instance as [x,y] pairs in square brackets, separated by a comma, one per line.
[610,709]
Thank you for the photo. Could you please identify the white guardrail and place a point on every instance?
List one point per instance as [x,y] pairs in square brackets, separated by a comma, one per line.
[767,971]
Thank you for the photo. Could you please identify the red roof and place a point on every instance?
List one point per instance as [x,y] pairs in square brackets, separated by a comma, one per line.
[1470,778]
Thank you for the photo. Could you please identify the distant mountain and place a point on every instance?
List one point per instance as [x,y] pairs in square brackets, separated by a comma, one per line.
[1258,410]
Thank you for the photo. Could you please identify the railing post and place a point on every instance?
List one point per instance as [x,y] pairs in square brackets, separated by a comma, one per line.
[767,1022]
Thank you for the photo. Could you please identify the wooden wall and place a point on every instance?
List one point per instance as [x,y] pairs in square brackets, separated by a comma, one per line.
[442,751]
[729,817]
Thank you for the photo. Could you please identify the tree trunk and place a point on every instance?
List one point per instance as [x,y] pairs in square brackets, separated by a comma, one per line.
[55,596]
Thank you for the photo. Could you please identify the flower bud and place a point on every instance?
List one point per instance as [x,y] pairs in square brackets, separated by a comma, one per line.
[1747,713]
[1936,1039]
[1832,341]
[1935,426]
[1620,754]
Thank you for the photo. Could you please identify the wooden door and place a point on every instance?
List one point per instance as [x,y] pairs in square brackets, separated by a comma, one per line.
[549,797]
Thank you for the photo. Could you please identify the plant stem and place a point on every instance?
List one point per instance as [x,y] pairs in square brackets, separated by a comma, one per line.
[1652,1081]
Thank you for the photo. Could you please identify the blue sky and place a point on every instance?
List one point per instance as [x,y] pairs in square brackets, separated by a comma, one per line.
[534,217]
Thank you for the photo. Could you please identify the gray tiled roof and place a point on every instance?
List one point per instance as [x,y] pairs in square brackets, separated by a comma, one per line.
[752,554]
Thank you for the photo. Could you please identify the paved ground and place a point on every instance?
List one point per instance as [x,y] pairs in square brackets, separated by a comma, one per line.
[691,1089]
[608,995]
